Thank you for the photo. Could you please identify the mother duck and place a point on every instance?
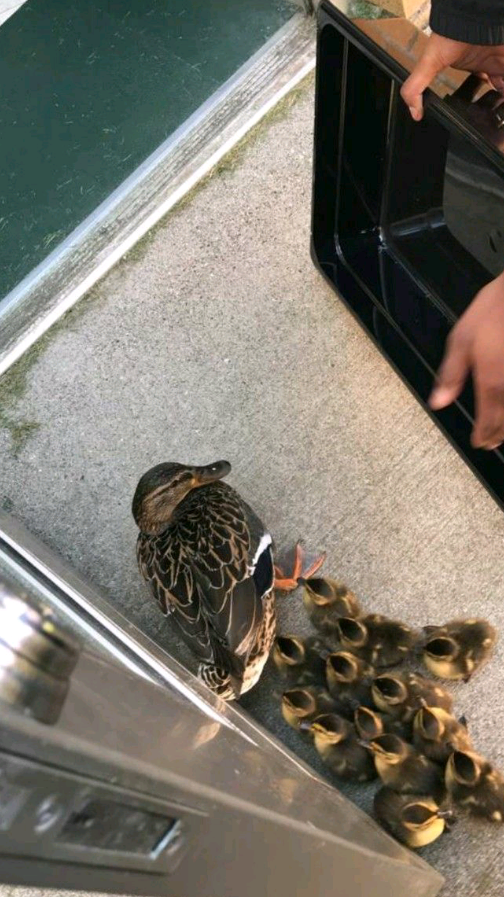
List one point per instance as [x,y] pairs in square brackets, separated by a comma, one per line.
[208,560]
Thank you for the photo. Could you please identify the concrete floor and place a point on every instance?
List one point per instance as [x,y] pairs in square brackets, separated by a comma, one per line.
[217,338]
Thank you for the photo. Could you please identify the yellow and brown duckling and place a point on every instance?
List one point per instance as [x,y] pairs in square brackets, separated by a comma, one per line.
[349,681]
[208,560]
[414,819]
[459,648]
[377,639]
[300,661]
[401,695]
[302,705]
[326,601]
[474,784]
[370,724]
[437,733]
[401,767]
[338,746]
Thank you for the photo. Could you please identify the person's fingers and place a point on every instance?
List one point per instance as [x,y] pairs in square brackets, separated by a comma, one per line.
[451,375]
[488,429]
[488,432]
[426,69]
[497,82]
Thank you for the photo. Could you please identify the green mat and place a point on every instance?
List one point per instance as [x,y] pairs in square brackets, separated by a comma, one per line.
[90,89]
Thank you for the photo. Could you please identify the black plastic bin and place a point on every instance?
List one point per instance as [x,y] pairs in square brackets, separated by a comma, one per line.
[407,218]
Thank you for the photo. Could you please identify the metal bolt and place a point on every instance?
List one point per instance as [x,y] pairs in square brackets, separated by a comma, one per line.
[48,813]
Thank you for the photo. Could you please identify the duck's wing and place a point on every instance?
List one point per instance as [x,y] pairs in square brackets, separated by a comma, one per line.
[209,572]
[171,579]
[233,565]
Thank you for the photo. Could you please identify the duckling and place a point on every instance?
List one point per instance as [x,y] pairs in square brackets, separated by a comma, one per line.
[300,661]
[301,705]
[326,601]
[414,819]
[401,695]
[459,648]
[473,783]
[208,560]
[337,744]
[349,681]
[370,724]
[377,639]
[402,768]
[436,733]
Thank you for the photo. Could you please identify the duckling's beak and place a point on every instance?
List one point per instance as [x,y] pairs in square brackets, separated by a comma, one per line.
[305,725]
[448,815]
[365,744]
[211,472]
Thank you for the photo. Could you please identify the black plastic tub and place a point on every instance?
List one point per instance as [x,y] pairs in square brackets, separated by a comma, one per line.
[407,218]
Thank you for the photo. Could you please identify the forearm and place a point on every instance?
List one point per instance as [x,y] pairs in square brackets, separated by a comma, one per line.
[470,21]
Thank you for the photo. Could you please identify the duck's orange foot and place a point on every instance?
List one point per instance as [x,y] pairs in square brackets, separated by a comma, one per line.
[288,583]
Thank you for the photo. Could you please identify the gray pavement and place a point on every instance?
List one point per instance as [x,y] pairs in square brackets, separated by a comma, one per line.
[217,338]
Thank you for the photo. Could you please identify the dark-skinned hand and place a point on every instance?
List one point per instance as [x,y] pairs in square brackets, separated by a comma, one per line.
[476,343]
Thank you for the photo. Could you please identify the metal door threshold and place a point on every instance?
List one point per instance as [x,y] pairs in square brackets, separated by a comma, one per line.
[42,297]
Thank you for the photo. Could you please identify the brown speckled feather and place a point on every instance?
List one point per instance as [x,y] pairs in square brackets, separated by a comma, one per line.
[201,572]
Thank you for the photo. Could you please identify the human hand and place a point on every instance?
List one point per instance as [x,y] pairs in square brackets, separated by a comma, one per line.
[441,52]
[476,344]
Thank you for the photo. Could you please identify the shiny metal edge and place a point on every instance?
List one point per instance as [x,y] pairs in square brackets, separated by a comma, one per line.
[157,185]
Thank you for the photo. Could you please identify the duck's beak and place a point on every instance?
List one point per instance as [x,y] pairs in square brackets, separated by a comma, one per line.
[211,472]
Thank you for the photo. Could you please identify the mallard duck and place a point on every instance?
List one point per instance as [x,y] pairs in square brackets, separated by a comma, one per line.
[209,563]
[326,601]
[301,705]
[402,768]
[401,695]
[349,681]
[473,783]
[300,661]
[337,743]
[377,639]
[414,819]
[437,733]
[459,648]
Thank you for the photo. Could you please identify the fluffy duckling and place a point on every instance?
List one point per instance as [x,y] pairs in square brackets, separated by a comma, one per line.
[370,724]
[300,661]
[377,639]
[402,768]
[349,680]
[304,704]
[326,601]
[414,819]
[337,744]
[437,733]
[473,783]
[459,648]
[401,695]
